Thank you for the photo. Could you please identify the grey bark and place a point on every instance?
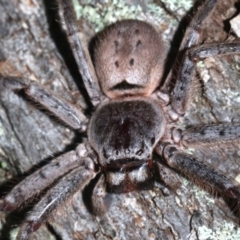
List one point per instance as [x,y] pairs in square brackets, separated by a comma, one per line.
[32,45]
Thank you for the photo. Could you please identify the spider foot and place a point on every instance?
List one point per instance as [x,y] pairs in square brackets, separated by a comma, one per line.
[27,228]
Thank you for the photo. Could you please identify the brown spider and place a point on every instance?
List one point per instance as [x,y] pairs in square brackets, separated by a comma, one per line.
[133,118]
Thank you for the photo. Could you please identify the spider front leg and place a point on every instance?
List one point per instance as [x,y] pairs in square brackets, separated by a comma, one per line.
[44,177]
[69,114]
[202,174]
[74,181]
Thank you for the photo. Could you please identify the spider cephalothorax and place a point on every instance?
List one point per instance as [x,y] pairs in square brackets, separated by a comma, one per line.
[124,137]
[134,118]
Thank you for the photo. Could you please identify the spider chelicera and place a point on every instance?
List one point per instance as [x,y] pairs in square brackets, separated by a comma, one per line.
[133,118]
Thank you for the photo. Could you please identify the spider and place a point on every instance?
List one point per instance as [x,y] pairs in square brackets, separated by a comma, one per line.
[133,118]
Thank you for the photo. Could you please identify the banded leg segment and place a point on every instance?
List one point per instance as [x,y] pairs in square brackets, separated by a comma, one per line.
[80,51]
[209,134]
[69,114]
[75,181]
[39,180]
[193,31]
[181,92]
[192,35]
[202,174]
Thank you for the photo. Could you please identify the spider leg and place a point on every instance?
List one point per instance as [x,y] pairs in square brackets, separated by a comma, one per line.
[39,180]
[208,134]
[69,114]
[197,171]
[182,90]
[191,36]
[168,177]
[100,199]
[74,181]
[193,31]
[80,51]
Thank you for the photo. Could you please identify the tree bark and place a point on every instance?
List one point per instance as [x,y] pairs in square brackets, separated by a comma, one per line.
[33,45]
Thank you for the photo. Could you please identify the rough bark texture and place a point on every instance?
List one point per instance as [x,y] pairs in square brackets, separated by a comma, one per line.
[32,44]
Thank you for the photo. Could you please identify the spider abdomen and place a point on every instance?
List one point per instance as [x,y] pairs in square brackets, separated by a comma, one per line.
[124,134]
[128,59]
